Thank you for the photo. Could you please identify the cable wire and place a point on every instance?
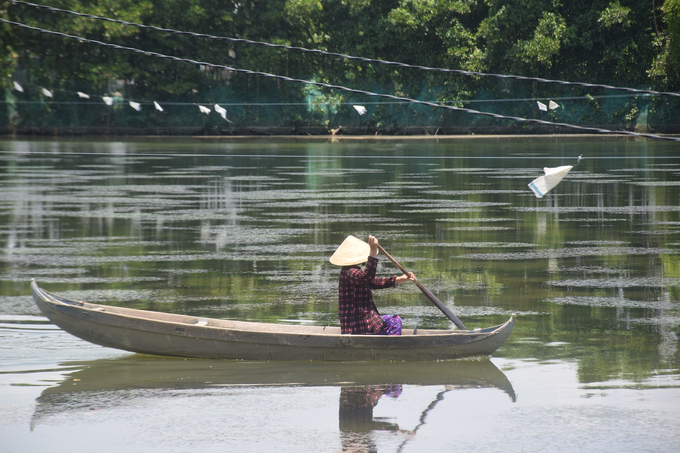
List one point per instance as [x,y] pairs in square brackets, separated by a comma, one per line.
[348,57]
[339,87]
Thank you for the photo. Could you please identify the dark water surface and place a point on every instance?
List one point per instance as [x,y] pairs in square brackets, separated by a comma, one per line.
[242,229]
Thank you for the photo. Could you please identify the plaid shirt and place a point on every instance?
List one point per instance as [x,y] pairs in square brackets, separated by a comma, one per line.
[358,314]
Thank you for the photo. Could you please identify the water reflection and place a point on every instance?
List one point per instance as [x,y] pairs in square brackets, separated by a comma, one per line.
[243,230]
[356,416]
[106,384]
[357,421]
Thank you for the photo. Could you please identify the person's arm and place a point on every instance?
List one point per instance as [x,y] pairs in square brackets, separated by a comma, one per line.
[373,243]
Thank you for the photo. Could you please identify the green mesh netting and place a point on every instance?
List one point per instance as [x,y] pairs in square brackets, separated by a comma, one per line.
[259,106]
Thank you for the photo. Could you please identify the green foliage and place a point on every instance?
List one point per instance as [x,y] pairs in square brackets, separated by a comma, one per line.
[666,67]
[615,14]
[544,46]
[323,105]
[621,42]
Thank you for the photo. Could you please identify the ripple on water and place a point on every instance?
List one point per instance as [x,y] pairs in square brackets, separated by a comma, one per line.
[304,218]
[626,210]
[18,305]
[461,311]
[429,205]
[665,321]
[453,193]
[301,194]
[594,270]
[499,245]
[568,253]
[596,243]
[477,219]
[106,280]
[614,302]
[247,236]
[657,183]
[478,228]
[627,282]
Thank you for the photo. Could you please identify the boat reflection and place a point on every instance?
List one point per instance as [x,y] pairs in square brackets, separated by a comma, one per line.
[361,384]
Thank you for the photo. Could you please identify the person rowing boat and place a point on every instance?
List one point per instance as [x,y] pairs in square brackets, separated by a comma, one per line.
[358,313]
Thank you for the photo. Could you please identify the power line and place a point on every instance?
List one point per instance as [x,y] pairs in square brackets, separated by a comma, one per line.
[348,57]
[338,87]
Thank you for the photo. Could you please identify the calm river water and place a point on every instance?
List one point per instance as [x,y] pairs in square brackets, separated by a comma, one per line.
[243,229]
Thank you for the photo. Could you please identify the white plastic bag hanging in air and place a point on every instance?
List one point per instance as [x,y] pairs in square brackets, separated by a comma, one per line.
[552,105]
[544,184]
[222,112]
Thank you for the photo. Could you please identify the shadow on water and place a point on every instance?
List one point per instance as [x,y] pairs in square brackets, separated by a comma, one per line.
[104,384]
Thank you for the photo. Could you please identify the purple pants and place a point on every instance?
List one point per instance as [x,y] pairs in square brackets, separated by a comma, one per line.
[392,325]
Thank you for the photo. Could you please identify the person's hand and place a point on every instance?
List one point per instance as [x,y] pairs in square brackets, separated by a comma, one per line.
[373,243]
[408,277]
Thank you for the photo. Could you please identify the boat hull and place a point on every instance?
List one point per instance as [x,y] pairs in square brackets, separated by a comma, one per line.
[156,333]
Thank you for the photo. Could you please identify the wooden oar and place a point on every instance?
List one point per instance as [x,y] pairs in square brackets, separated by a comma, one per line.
[427,293]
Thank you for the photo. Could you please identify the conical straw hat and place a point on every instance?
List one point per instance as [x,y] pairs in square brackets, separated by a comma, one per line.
[352,251]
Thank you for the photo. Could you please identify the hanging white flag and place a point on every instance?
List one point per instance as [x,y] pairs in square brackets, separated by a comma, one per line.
[222,111]
[107,100]
[135,105]
[360,108]
[542,106]
[83,95]
[544,184]
[204,109]
[18,87]
[158,107]
[553,105]
[47,92]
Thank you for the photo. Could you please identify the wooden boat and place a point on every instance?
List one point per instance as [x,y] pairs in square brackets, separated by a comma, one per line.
[149,332]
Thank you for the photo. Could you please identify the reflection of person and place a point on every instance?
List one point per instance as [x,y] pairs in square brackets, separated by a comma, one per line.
[358,314]
[356,416]
[356,407]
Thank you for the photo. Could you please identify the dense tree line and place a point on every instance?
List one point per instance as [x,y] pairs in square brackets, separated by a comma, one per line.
[629,43]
